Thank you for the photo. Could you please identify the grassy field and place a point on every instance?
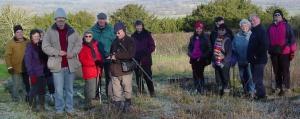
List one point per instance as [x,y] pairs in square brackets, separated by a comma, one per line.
[175,100]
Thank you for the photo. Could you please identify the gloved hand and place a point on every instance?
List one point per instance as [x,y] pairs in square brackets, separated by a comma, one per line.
[292,55]
[98,63]
[11,70]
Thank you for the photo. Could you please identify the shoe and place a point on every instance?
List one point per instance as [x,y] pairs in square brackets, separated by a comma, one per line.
[51,100]
[261,98]
[281,93]
[226,91]
[127,106]
[42,102]
[59,115]
[70,114]
[152,94]
[117,105]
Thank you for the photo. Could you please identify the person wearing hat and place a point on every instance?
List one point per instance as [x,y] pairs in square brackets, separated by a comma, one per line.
[91,62]
[199,49]
[14,54]
[214,33]
[282,48]
[62,44]
[257,55]
[221,59]
[239,53]
[122,51]
[145,45]
[103,32]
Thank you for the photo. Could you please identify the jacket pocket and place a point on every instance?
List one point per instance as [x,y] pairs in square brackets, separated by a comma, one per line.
[53,62]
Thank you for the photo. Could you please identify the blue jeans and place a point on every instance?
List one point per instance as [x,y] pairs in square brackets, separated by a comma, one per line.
[246,78]
[63,83]
[258,76]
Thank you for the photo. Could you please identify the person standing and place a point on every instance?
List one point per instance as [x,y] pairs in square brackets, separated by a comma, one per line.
[14,54]
[104,34]
[199,49]
[222,51]
[62,44]
[92,63]
[145,46]
[282,48]
[122,52]
[35,68]
[257,55]
[239,52]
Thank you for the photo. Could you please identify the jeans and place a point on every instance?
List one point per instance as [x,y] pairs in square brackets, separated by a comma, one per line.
[63,83]
[258,76]
[18,87]
[246,78]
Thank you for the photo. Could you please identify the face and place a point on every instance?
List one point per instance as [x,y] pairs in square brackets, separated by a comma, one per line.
[88,37]
[60,22]
[102,22]
[277,17]
[120,34]
[221,32]
[219,23]
[245,27]
[35,38]
[199,30]
[19,34]
[139,28]
[255,21]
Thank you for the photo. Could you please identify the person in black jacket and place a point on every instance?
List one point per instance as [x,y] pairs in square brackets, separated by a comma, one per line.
[257,55]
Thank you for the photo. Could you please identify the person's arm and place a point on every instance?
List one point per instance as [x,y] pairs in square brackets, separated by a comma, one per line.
[28,60]
[47,47]
[151,44]
[292,39]
[228,51]
[8,55]
[76,48]
[190,47]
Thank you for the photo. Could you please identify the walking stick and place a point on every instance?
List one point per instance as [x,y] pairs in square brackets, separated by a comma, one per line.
[98,84]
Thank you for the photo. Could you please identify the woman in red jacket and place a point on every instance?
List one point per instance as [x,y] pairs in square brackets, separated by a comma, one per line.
[91,61]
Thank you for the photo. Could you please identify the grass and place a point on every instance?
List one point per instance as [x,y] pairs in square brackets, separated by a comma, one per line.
[3,72]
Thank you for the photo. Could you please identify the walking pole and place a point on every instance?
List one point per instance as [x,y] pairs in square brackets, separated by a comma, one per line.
[98,84]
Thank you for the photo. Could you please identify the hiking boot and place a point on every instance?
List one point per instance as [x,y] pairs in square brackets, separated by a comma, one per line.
[51,100]
[70,114]
[281,93]
[226,92]
[127,106]
[152,94]
[117,105]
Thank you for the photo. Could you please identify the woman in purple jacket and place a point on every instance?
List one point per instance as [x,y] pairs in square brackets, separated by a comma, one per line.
[35,66]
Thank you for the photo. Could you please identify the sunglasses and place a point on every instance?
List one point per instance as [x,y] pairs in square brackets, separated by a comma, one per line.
[118,33]
[277,15]
[88,36]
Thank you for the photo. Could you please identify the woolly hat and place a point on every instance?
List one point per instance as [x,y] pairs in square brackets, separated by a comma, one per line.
[198,24]
[60,12]
[17,27]
[118,26]
[278,11]
[102,16]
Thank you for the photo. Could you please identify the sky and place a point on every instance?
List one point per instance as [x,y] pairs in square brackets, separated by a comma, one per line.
[161,8]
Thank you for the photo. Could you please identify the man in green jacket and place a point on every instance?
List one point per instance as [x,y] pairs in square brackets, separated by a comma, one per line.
[104,34]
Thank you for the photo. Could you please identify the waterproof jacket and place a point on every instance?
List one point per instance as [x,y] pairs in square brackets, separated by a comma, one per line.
[89,68]
[105,36]
[258,46]
[51,46]
[121,54]
[240,47]
[145,46]
[281,36]
[14,54]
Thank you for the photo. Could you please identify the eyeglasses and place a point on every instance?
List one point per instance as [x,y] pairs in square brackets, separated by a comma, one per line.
[88,36]
[118,33]
[277,15]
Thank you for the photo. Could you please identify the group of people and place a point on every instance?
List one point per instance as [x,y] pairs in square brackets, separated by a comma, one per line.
[249,49]
[55,55]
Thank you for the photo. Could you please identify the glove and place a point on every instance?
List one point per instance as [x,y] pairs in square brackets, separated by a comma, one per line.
[292,55]
[11,70]
[99,63]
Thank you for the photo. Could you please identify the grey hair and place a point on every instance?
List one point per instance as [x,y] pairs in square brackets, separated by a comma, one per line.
[253,16]
[245,21]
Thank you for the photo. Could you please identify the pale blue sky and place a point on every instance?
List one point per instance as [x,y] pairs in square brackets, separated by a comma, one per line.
[163,8]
